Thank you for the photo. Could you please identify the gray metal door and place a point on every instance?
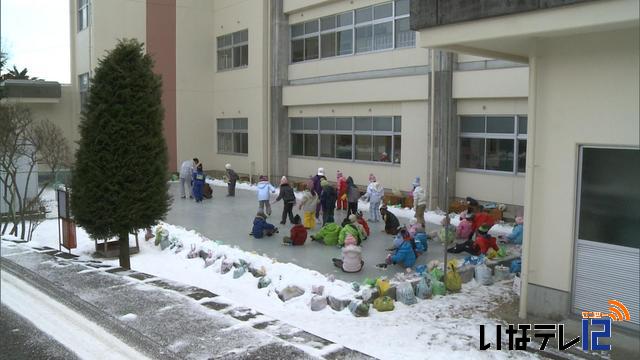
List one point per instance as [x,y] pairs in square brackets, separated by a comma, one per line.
[607,251]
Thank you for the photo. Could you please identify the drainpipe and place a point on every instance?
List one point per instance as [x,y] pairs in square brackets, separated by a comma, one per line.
[528,197]
[431,121]
[268,4]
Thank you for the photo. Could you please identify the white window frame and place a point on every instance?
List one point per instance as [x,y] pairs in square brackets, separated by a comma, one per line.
[515,136]
[232,47]
[232,131]
[82,13]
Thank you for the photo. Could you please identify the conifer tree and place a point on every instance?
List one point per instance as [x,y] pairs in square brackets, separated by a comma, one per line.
[119,183]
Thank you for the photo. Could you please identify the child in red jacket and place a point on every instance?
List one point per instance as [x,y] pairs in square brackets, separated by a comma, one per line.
[363,222]
[298,233]
[484,241]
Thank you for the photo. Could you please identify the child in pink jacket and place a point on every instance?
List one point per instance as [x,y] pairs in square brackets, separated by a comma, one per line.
[465,228]
[351,261]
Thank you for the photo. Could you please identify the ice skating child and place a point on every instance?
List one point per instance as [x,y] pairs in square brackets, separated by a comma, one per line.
[329,234]
[261,227]
[391,222]
[353,194]
[298,233]
[375,192]
[198,183]
[363,222]
[350,226]
[341,204]
[484,241]
[465,227]
[351,261]
[414,226]
[516,234]
[264,188]
[289,199]
[308,205]
[328,199]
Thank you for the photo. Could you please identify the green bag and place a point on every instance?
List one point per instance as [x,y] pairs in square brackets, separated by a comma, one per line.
[437,288]
[452,280]
[370,282]
[383,303]
[503,251]
[437,274]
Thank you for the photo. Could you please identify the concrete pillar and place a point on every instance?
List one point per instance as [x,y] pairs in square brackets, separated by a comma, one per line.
[278,77]
[445,131]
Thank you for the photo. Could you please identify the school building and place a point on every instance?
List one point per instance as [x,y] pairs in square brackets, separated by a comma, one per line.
[454,92]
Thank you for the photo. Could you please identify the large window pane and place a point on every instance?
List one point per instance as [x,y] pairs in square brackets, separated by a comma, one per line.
[500,124]
[500,154]
[311,145]
[472,153]
[382,123]
[297,50]
[240,124]
[224,59]
[327,123]
[345,19]
[225,124]
[311,27]
[363,123]
[383,11]
[344,123]
[225,141]
[343,146]
[522,155]
[397,149]
[383,36]
[405,37]
[345,42]
[522,124]
[327,146]
[240,143]
[397,124]
[364,15]
[382,148]
[311,48]
[297,123]
[297,30]
[364,150]
[364,38]
[472,124]
[402,7]
[328,42]
[311,123]
[297,144]
[240,55]
[328,23]
[240,37]
[224,41]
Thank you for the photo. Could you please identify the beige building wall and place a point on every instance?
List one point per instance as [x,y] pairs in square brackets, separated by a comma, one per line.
[495,83]
[573,75]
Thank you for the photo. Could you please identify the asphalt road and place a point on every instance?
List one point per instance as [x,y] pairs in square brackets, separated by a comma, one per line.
[21,340]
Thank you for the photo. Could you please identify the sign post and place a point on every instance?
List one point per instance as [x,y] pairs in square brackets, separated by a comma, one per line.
[66,224]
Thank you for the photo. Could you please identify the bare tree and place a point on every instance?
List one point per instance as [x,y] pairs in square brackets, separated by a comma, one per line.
[25,143]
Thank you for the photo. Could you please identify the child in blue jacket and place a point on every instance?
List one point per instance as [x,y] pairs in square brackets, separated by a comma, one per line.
[516,234]
[198,183]
[261,227]
[404,252]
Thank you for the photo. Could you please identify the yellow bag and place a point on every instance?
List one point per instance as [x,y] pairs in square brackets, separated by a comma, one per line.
[491,254]
[452,280]
[383,286]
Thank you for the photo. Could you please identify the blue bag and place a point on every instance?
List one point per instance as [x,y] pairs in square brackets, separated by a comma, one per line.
[516,266]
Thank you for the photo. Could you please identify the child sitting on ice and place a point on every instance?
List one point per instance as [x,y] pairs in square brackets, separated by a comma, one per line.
[363,222]
[420,239]
[298,233]
[516,234]
[350,226]
[391,222]
[403,251]
[465,227]
[351,261]
[328,234]
[261,227]
[414,226]
[484,241]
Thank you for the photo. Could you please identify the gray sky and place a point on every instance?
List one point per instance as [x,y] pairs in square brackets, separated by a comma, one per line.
[35,34]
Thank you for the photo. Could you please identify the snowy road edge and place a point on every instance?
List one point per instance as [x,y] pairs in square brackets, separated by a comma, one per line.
[124,333]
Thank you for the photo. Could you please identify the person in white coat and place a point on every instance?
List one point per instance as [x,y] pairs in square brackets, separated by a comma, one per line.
[186,171]
[375,193]
[265,189]
[419,201]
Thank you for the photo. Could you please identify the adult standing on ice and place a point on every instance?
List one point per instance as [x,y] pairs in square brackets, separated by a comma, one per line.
[342,191]
[232,178]
[419,201]
[317,187]
[186,172]
[264,191]
[375,192]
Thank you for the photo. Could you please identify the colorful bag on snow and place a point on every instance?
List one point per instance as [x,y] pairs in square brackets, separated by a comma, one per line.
[437,274]
[503,251]
[359,309]
[483,275]
[437,288]
[383,303]
[423,289]
[516,266]
[405,294]
[383,286]
[452,280]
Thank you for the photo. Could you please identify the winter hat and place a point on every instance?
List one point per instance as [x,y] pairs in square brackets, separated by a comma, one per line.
[339,174]
[283,180]
[321,171]
[353,218]
[350,240]
[372,178]
[416,182]
[264,178]
[324,183]
[261,214]
[227,166]
[519,220]
[296,219]
[484,228]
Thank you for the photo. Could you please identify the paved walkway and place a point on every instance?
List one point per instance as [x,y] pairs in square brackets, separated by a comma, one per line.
[229,219]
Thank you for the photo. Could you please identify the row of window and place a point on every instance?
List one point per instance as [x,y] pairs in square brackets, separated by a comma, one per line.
[233,136]
[233,50]
[372,28]
[83,14]
[493,143]
[366,138]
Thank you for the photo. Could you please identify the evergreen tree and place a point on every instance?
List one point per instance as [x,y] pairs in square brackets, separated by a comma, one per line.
[119,183]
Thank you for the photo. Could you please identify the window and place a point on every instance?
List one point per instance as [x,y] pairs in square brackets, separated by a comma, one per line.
[361,138]
[493,143]
[83,14]
[83,85]
[233,137]
[372,28]
[233,50]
